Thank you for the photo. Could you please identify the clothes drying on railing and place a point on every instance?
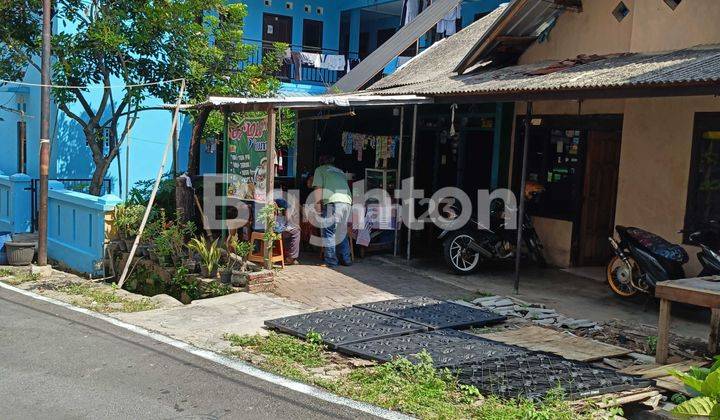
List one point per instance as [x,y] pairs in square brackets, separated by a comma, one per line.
[333,62]
[311,59]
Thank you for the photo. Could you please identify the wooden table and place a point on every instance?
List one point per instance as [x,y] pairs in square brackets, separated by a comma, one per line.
[701,291]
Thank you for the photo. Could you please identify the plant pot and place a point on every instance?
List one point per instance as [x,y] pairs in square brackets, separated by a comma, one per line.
[205,273]
[238,279]
[185,298]
[120,245]
[20,253]
[226,277]
[191,265]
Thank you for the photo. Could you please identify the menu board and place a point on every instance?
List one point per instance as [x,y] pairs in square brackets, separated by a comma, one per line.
[245,158]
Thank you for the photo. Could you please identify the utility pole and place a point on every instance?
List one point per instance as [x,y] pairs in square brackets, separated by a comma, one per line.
[44,135]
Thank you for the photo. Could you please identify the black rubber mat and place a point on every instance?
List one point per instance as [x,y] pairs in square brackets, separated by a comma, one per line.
[534,375]
[447,348]
[435,314]
[344,326]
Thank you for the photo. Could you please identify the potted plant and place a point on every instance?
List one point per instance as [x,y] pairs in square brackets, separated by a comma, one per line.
[163,249]
[127,222]
[209,256]
[19,253]
[241,250]
[226,273]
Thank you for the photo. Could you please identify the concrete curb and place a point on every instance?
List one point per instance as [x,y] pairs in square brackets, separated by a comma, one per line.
[236,365]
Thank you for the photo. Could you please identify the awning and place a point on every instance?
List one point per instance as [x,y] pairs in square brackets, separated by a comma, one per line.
[686,72]
[309,102]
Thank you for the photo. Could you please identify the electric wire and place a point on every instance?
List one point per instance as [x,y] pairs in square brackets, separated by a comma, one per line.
[159,82]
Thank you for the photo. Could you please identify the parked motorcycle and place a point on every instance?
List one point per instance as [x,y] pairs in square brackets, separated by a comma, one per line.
[642,259]
[465,248]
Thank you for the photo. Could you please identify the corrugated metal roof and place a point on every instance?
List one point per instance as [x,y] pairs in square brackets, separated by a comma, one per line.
[399,42]
[696,66]
[442,57]
[311,102]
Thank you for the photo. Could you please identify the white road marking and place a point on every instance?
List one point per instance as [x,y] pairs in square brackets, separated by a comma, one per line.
[237,365]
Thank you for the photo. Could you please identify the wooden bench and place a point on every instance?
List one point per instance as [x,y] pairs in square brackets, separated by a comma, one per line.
[701,291]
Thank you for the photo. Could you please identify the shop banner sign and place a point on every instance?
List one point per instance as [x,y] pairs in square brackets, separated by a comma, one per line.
[245,158]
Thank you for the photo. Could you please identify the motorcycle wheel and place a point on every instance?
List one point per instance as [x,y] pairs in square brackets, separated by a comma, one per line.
[461,260]
[535,250]
[619,279]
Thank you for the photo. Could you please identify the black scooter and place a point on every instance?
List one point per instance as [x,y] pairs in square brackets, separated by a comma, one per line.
[466,247]
[642,259]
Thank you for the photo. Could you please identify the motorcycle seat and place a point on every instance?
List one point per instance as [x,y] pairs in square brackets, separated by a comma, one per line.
[656,245]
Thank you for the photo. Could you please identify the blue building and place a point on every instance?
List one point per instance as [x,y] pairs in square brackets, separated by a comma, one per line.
[350,29]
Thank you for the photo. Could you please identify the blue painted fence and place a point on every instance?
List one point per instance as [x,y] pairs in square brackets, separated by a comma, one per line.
[77,228]
[76,221]
[15,203]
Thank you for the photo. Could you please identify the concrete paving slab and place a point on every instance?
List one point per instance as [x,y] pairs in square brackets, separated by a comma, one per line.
[204,322]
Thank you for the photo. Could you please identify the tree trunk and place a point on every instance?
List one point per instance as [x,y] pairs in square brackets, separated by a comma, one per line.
[197,131]
[101,168]
[185,202]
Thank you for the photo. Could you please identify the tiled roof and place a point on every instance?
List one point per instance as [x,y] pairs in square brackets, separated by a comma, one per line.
[441,57]
[698,66]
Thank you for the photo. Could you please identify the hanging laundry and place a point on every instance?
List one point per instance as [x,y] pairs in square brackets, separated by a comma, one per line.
[296,59]
[347,143]
[381,151]
[411,8]
[311,59]
[333,62]
[448,25]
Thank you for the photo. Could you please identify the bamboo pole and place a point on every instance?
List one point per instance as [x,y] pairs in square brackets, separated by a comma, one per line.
[160,173]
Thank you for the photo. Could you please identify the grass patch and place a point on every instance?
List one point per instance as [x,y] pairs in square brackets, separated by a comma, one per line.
[6,272]
[105,301]
[285,348]
[25,277]
[417,389]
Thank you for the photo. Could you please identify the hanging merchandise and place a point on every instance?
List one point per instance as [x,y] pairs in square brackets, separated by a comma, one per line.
[381,151]
[359,141]
[453,107]
[393,145]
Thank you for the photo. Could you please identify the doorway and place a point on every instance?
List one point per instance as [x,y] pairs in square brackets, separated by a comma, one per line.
[599,195]
[277,28]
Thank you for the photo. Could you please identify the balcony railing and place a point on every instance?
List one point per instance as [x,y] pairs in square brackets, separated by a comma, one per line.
[291,72]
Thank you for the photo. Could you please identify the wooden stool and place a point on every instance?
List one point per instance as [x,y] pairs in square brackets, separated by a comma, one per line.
[277,254]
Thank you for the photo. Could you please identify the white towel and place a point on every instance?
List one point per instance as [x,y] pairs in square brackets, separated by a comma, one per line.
[333,62]
[311,59]
[447,25]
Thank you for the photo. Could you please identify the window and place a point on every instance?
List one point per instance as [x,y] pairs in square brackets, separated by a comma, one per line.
[673,3]
[620,11]
[703,200]
[312,35]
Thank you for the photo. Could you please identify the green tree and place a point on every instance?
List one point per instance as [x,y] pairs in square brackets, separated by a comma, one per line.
[135,42]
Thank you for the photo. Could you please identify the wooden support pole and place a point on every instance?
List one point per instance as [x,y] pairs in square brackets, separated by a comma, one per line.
[412,173]
[663,340]
[523,181]
[714,331]
[398,180]
[270,176]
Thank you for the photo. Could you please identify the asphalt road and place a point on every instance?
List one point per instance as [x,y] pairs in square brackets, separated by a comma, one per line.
[57,363]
